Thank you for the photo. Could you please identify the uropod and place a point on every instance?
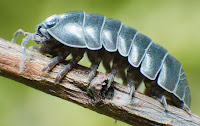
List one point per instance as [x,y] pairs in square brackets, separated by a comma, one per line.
[107,40]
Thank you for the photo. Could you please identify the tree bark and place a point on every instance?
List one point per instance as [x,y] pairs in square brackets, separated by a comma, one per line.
[140,110]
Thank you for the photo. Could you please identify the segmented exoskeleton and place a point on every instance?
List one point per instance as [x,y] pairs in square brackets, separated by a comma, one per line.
[108,40]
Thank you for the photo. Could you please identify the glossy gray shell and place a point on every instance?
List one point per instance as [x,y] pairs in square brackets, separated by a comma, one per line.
[81,30]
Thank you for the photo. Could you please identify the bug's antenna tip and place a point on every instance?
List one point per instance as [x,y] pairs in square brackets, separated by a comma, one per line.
[13,40]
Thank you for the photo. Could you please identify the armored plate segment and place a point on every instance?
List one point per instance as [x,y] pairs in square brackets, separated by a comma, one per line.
[187,97]
[109,34]
[180,87]
[169,74]
[125,40]
[69,30]
[140,45]
[153,60]
[181,90]
[92,29]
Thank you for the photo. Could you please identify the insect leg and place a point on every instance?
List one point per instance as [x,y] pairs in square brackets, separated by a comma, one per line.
[130,83]
[77,55]
[163,100]
[153,90]
[95,58]
[51,64]
[122,67]
[134,79]
[107,59]
[113,72]
[57,59]
[186,109]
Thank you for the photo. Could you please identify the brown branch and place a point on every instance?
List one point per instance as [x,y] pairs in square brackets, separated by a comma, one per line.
[141,110]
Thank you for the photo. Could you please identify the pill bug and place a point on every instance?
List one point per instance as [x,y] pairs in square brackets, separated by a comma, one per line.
[107,40]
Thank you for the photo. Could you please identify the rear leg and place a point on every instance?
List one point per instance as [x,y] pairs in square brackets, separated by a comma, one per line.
[107,59]
[163,100]
[153,90]
[186,108]
[114,71]
[77,55]
[134,79]
[95,58]
[122,67]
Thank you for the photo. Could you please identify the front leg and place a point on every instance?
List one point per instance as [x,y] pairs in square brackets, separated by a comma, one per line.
[77,55]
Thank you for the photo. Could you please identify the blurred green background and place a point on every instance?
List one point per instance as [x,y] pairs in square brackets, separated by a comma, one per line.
[174,24]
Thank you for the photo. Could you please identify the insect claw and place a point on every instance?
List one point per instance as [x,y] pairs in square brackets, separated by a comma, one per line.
[58,78]
[164,102]
[132,91]
[44,68]
[63,72]
[131,85]
[92,72]
[53,62]
[107,83]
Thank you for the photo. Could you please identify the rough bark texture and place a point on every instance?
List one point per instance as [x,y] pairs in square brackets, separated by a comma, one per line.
[140,110]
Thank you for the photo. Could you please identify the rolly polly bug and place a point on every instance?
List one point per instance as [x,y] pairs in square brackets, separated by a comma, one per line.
[106,40]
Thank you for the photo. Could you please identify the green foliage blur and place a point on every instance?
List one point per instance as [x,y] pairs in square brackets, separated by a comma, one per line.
[174,24]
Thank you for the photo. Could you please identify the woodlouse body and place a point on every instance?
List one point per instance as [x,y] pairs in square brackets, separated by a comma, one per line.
[78,32]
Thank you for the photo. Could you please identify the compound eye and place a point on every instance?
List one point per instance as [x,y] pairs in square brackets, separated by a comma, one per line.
[51,21]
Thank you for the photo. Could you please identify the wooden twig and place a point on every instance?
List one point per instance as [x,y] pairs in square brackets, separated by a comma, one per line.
[141,110]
